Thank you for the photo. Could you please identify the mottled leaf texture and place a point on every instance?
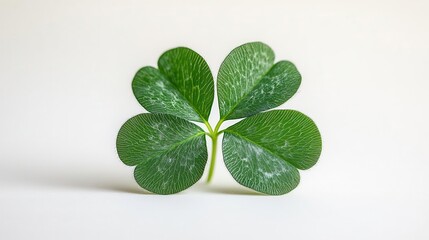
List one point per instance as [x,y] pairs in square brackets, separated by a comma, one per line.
[263,152]
[182,85]
[249,82]
[170,153]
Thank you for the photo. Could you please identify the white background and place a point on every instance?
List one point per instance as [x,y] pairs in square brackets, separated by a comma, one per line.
[65,89]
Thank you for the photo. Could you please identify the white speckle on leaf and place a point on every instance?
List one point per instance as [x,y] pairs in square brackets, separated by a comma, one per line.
[268,175]
[286,144]
[257,150]
[160,84]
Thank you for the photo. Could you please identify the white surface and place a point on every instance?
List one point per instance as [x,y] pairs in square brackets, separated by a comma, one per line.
[65,74]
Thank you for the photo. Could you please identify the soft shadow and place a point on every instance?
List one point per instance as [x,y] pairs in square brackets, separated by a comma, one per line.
[101,186]
[73,178]
[94,178]
[234,190]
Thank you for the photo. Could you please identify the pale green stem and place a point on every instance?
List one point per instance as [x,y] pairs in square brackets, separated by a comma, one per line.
[213,134]
[208,127]
[213,158]
[218,126]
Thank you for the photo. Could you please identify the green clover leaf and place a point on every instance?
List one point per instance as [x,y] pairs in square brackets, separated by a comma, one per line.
[249,82]
[262,152]
[182,85]
[170,153]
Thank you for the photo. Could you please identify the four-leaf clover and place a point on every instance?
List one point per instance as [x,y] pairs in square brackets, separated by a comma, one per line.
[263,152]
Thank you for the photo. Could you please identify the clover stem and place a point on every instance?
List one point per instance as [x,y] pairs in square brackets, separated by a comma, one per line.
[218,126]
[213,158]
[213,134]
[208,127]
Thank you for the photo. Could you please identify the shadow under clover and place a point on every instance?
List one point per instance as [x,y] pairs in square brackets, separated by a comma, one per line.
[92,178]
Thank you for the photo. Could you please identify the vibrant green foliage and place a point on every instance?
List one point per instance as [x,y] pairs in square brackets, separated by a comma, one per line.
[262,152]
[182,85]
[249,82]
[170,153]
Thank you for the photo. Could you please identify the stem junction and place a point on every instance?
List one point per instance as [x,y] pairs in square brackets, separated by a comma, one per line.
[213,135]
